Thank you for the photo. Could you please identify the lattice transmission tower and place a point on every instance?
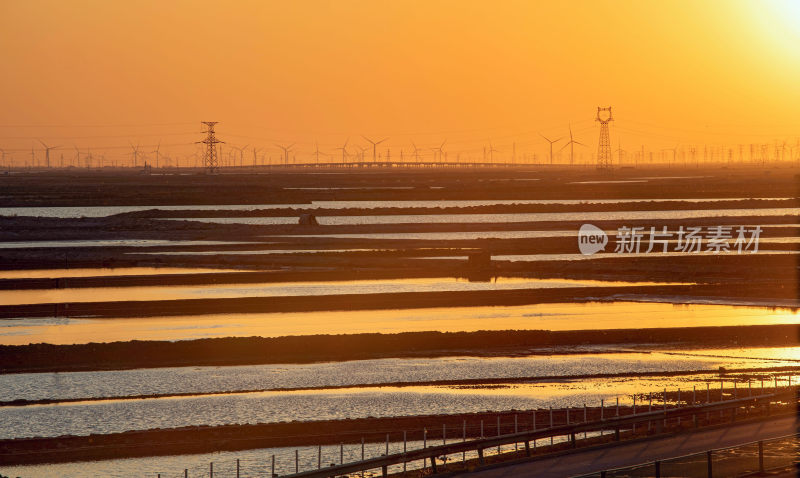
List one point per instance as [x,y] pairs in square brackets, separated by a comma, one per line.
[210,160]
[604,154]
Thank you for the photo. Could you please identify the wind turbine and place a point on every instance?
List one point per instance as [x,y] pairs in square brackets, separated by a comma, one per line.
[77,156]
[255,158]
[552,142]
[47,152]
[316,151]
[343,149]
[619,152]
[416,152]
[374,147]
[286,150]
[157,152]
[361,151]
[571,145]
[135,154]
[439,150]
[241,155]
[491,152]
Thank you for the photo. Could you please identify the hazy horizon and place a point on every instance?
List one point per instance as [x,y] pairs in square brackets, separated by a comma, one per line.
[102,75]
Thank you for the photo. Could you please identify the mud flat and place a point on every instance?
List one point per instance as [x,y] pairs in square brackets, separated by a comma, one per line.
[318,348]
[264,186]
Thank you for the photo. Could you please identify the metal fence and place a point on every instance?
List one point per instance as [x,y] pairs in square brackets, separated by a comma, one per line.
[460,450]
[437,456]
[742,460]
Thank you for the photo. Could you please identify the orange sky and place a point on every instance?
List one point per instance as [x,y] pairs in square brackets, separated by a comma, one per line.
[102,73]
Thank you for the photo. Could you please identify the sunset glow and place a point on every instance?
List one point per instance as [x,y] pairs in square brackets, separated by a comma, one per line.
[681,73]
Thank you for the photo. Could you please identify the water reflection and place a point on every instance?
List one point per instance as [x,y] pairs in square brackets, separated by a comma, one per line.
[557,362]
[560,316]
[281,289]
[504,218]
[83,418]
[105,272]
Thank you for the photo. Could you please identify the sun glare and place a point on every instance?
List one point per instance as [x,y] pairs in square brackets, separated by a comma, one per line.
[781,23]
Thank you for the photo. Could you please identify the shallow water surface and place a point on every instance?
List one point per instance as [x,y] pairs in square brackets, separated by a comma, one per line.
[106,272]
[560,316]
[83,418]
[282,289]
[557,362]
[502,218]
[102,211]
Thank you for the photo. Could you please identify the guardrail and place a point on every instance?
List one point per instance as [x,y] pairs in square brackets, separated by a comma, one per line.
[746,459]
[430,454]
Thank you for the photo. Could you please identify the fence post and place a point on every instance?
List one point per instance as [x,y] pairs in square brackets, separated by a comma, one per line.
[211,469]
[710,467]
[480,456]
[273,466]
[527,448]
[617,413]
[584,420]
[658,469]
[516,430]
[319,456]
[551,424]
[237,468]
[341,454]
[404,452]
[761,456]
[464,439]
[678,405]
[185,473]
[498,432]
[296,461]
[385,471]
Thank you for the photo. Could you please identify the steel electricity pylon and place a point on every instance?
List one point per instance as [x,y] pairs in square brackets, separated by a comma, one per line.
[604,154]
[210,160]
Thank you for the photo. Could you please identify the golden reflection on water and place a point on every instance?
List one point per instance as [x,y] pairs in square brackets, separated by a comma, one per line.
[561,316]
[272,289]
[546,390]
[105,272]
